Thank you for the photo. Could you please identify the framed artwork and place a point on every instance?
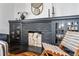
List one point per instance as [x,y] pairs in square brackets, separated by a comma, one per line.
[36,8]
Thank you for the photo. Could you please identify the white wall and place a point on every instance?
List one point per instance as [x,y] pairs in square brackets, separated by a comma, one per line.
[19,7]
[27,8]
[61,9]
[65,9]
[9,12]
[6,13]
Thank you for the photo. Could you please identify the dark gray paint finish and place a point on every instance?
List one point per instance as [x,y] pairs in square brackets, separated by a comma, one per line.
[45,25]
[45,28]
[25,27]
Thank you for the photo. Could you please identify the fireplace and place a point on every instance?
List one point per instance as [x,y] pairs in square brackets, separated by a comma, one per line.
[35,38]
[35,41]
[40,27]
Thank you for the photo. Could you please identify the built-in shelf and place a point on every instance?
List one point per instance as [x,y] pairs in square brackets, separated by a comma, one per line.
[62,26]
[52,28]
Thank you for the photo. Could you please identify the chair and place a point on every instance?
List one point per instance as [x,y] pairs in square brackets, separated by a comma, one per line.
[3,48]
[70,41]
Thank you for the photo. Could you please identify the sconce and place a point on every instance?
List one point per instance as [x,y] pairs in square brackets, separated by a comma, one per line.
[53,10]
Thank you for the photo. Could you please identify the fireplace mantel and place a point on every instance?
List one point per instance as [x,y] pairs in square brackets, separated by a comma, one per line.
[45,25]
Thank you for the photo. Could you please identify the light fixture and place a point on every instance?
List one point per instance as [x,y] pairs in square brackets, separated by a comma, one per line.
[53,10]
[75,23]
[69,23]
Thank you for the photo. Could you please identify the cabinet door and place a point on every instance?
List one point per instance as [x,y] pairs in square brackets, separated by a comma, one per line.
[15,33]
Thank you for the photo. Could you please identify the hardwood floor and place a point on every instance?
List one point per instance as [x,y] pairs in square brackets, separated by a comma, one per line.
[22,50]
[25,54]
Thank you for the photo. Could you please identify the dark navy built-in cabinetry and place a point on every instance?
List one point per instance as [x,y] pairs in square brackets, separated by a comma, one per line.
[52,29]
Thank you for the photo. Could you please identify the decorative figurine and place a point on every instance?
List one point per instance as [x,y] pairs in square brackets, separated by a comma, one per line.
[22,15]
